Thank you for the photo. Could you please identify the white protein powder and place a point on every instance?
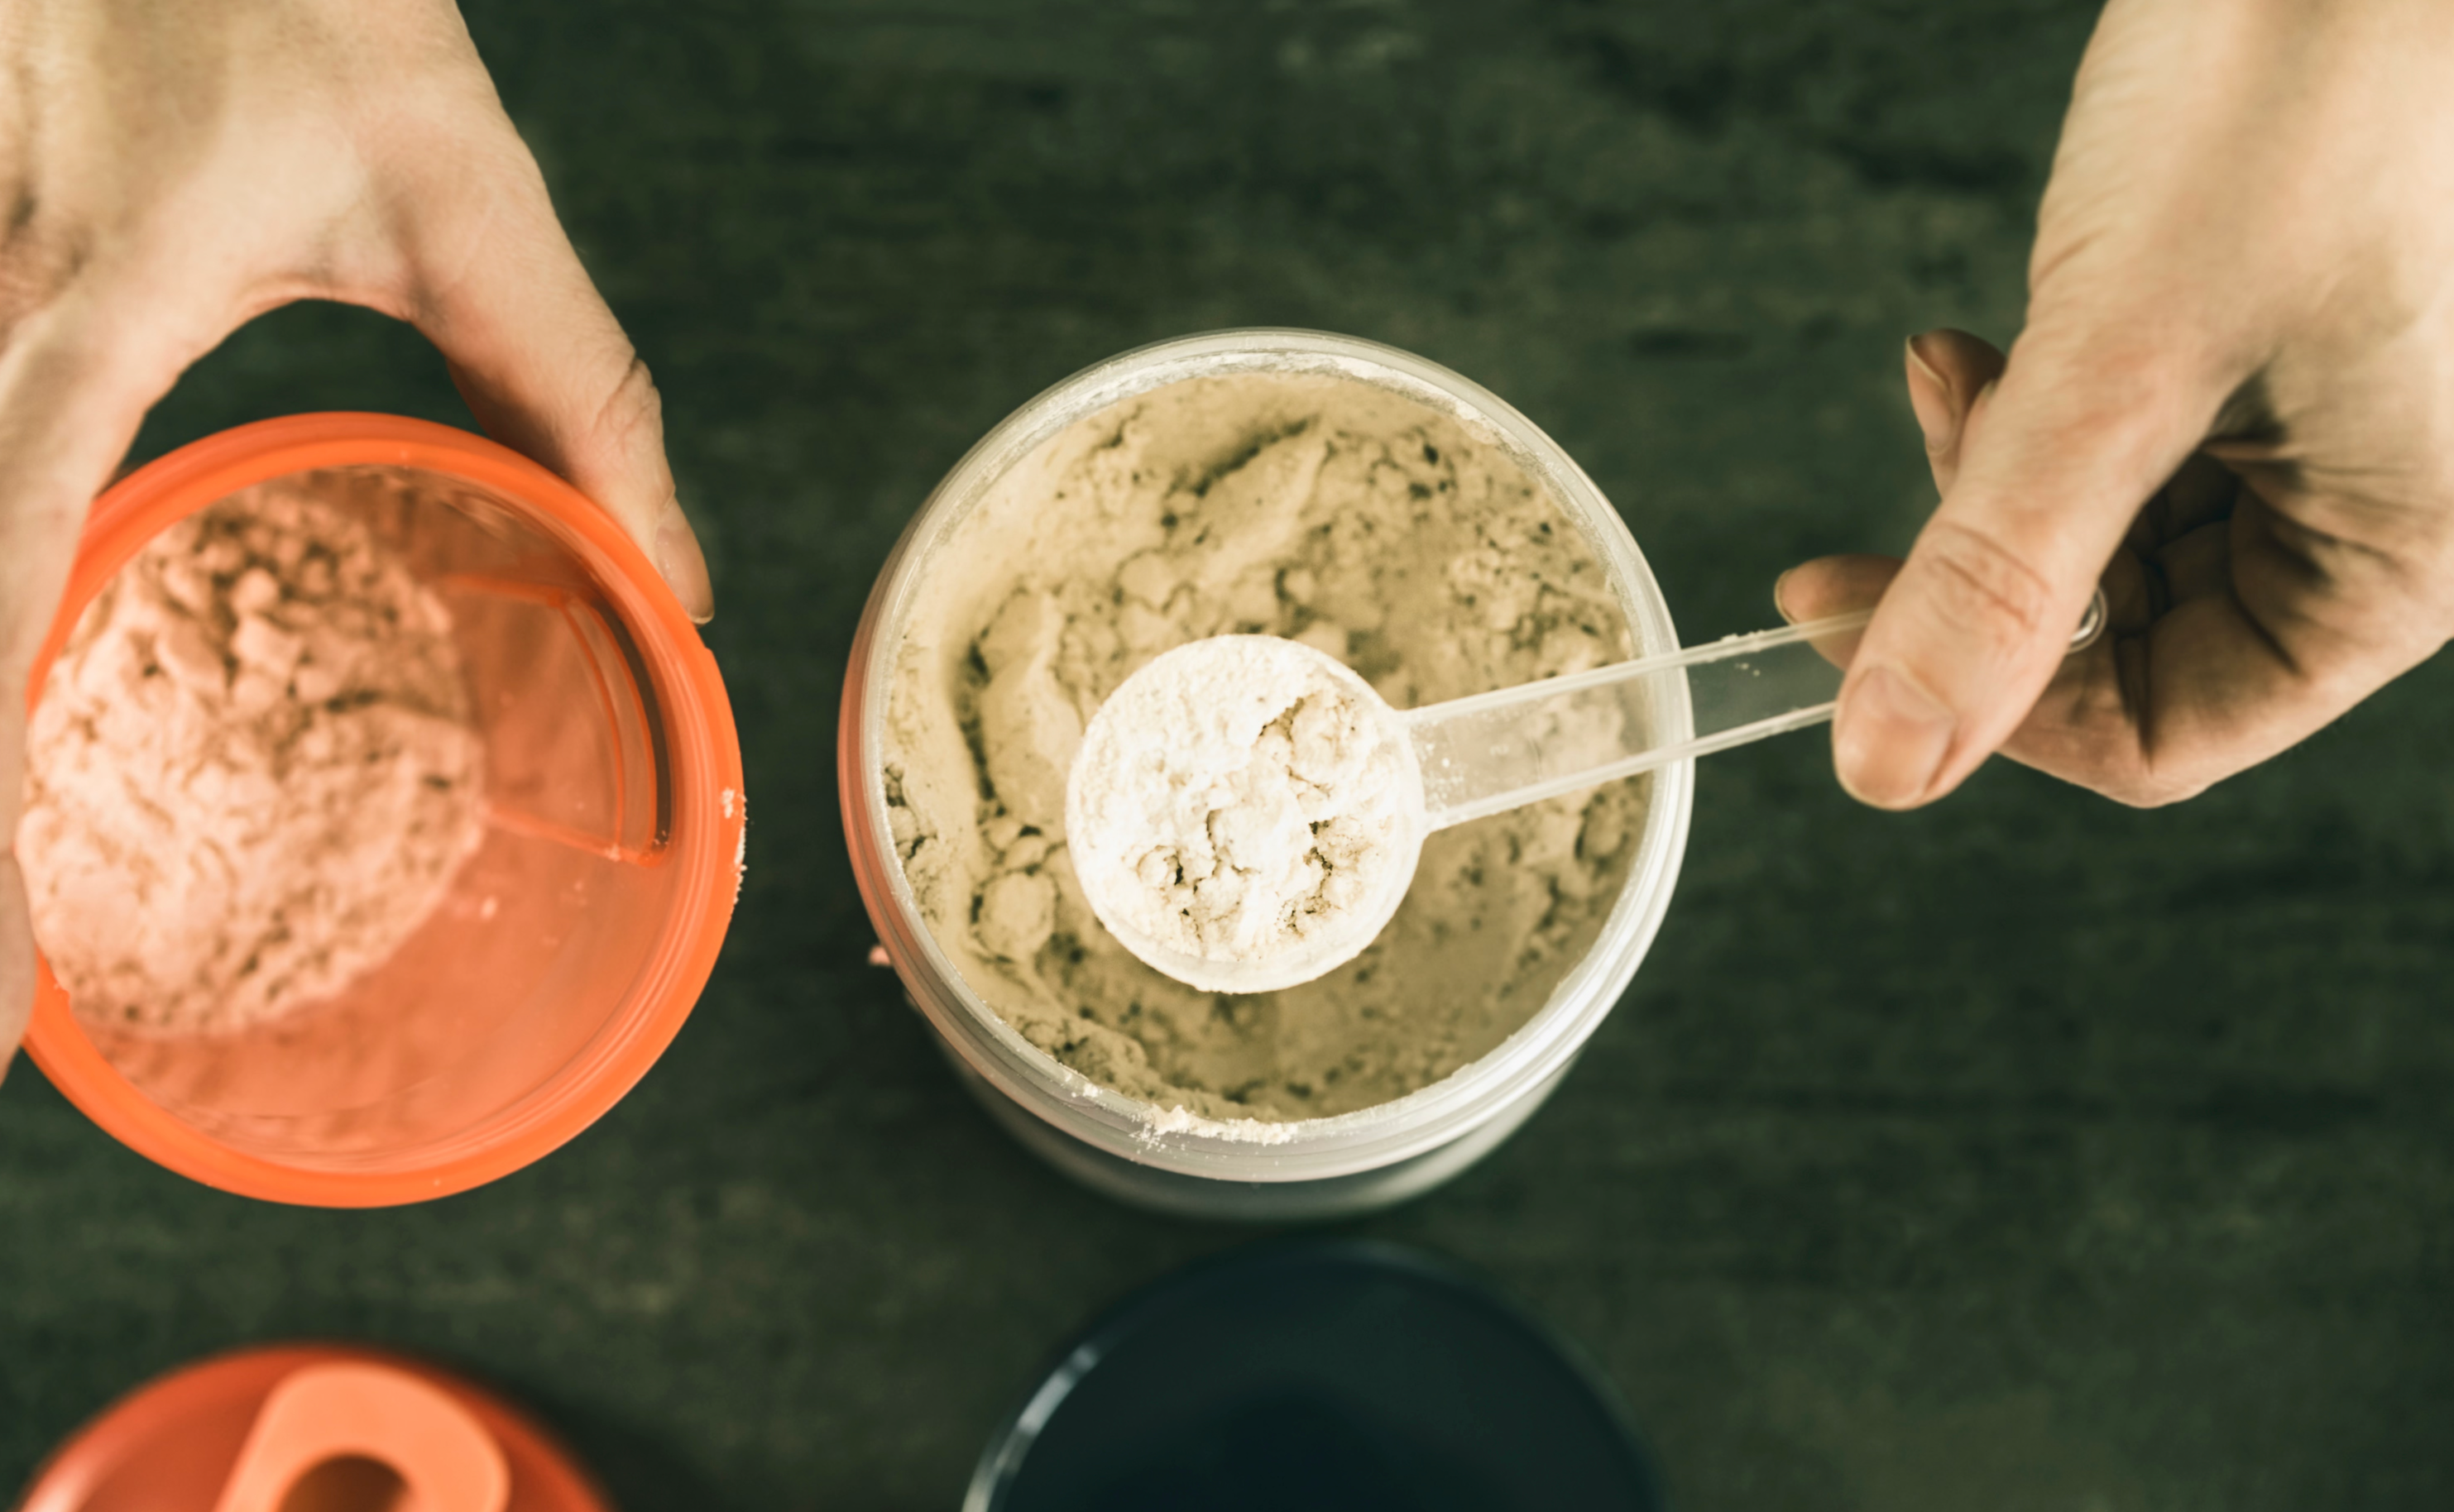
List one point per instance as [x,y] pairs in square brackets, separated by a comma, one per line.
[1233,798]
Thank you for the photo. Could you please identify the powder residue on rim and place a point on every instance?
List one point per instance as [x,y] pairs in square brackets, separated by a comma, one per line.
[252,772]
[1307,507]
[1236,798]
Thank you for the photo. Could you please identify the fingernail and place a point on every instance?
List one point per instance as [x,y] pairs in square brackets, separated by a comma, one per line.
[1930,401]
[1780,606]
[683,565]
[1889,740]
[1925,365]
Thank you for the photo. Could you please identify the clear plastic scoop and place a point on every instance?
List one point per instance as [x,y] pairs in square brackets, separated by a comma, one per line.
[1486,754]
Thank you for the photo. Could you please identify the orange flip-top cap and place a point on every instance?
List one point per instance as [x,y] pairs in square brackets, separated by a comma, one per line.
[325,1416]
[188,1441]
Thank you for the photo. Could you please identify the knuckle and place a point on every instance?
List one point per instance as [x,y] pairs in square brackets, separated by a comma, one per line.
[1981,585]
[39,261]
[633,411]
[2144,772]
[2141,788]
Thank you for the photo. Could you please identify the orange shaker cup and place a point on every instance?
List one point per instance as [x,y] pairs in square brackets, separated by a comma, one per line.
[570,945]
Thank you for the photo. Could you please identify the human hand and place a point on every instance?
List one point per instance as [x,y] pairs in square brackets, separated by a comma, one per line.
[169,171]
[2234,399]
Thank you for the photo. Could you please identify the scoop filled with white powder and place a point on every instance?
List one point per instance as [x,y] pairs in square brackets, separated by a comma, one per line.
[1244,814]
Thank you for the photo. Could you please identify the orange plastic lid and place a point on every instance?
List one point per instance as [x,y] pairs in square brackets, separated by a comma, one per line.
[502,1038]
[256,1430]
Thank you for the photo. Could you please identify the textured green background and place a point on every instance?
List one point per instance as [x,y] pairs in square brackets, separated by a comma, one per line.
[2024,1154]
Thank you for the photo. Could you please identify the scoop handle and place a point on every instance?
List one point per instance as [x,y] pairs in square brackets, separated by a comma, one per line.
[1497,752]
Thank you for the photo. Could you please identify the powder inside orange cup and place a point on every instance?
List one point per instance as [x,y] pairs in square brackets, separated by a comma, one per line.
[252,772]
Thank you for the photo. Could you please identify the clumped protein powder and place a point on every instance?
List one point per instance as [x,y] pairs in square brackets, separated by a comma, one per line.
[251,774]
[1309,507]
[1234,799]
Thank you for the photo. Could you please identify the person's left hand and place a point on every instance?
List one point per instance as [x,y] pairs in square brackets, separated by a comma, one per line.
[169,170]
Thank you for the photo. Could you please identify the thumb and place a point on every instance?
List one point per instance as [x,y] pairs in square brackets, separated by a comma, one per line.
[2056,459]
[544,365]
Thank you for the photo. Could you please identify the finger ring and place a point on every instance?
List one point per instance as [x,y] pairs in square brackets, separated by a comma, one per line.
[2091,624]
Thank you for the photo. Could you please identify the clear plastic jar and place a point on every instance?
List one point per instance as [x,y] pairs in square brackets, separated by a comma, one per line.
[1134,1151]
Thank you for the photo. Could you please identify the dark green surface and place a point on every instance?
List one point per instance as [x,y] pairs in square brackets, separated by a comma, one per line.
[2025,1154]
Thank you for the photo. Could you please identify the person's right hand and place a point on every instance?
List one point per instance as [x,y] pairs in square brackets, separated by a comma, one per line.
[2234,399]
[168,170]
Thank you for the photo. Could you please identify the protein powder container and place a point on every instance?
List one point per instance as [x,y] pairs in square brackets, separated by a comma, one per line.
[1141,1148]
